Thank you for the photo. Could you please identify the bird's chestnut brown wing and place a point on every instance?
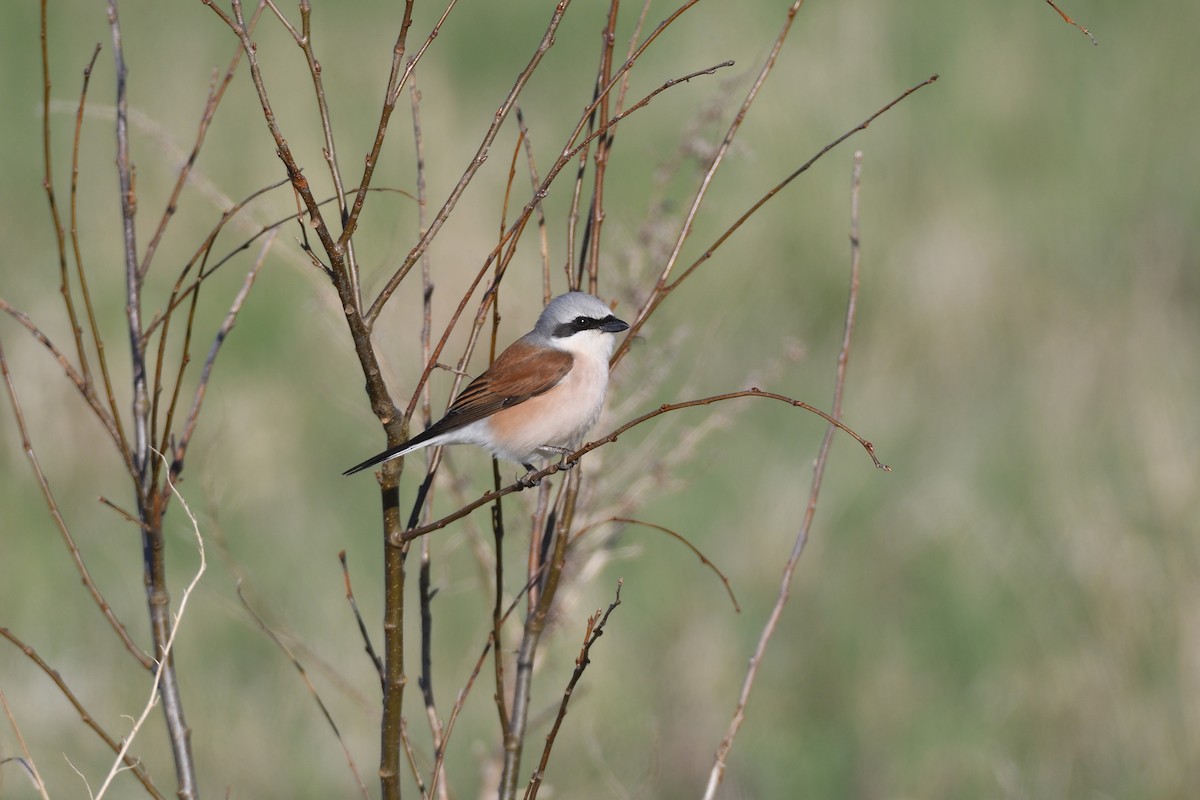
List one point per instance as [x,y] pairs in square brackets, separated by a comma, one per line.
[521,372]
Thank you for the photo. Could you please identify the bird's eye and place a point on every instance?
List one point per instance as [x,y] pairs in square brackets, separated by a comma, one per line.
[582,321]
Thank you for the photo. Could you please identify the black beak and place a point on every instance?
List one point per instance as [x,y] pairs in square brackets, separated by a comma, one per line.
[611,324]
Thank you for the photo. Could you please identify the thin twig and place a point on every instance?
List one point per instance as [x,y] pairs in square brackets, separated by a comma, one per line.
[595,629]
[133,763]
[27,761]
[362,626]
[768,630]
[1070,21]
[677,537]
[60,523]
[164,653]
[48,186]
[791,177]
[85,388]
[411,757]
[81,274]
[477,161]
[189,426]
[312,690]
[591,262]
[666,408]
[215,95]
[660,289]
[463,693]
[535,626]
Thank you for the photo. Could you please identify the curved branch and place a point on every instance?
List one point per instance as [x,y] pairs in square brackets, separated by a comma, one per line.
[488,497]
[135,764]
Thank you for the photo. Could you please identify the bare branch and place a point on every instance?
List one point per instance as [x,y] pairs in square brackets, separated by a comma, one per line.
[132,762]
[685,229]
[215,95]
[164,671]
[595,629]
[1070,21]
[768,630]
[52,505]
[676,536]
[666,408]
[477,161]
[189,426]
[312,690]
[84,387]
[663,288]
[362,626]
[26,760]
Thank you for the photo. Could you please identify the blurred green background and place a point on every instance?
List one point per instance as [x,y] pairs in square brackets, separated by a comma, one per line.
[1014,611]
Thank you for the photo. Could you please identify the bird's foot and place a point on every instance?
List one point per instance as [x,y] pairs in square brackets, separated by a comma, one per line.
[526,481]
[563,463]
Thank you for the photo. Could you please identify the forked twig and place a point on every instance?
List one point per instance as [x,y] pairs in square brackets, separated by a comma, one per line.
[595,629]
[768,630]
[164,653]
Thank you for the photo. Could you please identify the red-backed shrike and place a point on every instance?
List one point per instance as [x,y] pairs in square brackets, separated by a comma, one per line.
[540,397]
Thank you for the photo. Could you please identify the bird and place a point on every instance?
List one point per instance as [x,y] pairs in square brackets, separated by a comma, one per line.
[541,395]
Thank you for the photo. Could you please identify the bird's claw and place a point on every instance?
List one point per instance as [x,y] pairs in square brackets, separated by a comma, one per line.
[526,481]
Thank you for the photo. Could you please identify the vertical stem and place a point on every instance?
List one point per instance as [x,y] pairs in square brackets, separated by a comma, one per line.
[393,644]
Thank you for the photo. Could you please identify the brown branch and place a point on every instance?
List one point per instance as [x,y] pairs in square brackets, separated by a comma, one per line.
[81,273]
[595,629]
[215,95]
[157,595]
[663,289]
[535,626]
[134,763]
[411,757]
[488,497]
[1070,21]
[48,186]
[539,210]
[237,24]
[789,570]
[52,506]
[362,626]
[477,161]
[84,387]
[312,690]
[591,263]
[26,758]
[179,293]
[795,174]
[305,42]
[189,426]
[677,537]
[660,289]
[461,700]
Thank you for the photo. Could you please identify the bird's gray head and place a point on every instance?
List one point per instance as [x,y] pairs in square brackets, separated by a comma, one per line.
[577,317]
